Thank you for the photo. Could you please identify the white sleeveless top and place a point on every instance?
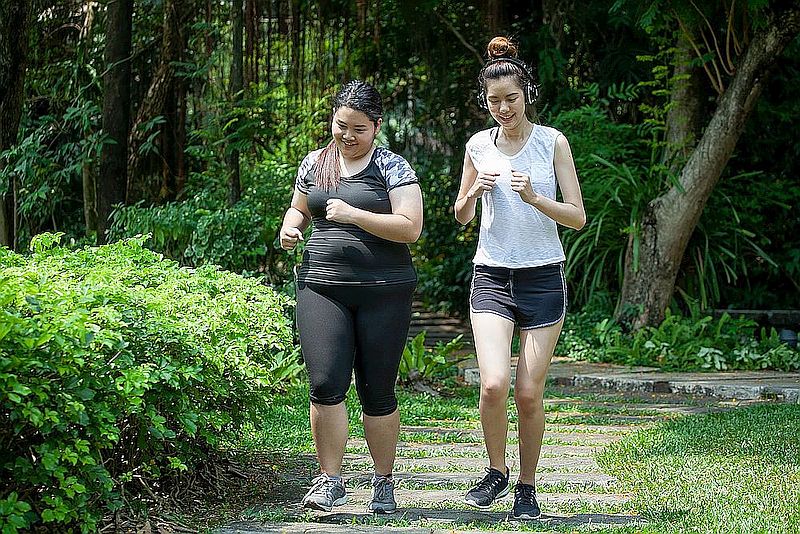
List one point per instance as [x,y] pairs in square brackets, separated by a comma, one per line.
[513,233]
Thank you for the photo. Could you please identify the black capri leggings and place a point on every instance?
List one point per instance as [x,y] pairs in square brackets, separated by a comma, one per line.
[361,328]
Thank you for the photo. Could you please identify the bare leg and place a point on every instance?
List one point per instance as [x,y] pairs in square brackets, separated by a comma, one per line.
[381,433]
[536,351]
[493,335]
[329,429]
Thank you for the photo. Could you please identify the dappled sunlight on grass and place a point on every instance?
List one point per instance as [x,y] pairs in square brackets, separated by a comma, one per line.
[737,471]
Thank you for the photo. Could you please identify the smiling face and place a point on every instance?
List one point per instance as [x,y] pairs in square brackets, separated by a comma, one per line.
[506,101]
[353,132]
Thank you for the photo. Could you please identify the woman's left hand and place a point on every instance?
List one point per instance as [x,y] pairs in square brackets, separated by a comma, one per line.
[521,183]
[338,210]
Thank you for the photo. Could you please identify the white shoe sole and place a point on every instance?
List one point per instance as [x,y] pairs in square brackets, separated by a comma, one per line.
[317,506]
[381,510]
[524,517]
[488,506]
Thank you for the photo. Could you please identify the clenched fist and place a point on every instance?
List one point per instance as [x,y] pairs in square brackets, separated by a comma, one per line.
[338,210]
[521,183]
[484,182]
[289,237]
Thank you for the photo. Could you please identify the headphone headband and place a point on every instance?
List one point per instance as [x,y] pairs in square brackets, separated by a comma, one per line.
[530,89]
[518,62]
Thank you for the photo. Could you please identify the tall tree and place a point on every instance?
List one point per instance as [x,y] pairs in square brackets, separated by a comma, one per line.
[654,257]
[165,98]
[236,87]
[112,179]
[15,16]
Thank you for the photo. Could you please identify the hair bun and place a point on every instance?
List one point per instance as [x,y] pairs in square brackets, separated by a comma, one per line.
[501,47]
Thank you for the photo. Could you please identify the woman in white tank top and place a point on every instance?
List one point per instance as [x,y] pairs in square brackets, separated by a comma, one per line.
[515,168]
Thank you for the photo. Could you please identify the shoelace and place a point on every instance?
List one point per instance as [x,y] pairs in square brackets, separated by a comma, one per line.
[324,482]
[489,481]
[525,493]
[382,488]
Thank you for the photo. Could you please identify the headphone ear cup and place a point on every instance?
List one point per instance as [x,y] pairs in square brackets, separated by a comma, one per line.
[531,93]
[482,99]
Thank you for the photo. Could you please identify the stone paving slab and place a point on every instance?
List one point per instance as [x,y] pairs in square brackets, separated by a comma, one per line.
[631,411]
[444,464]
[719,385]
[467,450]
[466,479]
[741,385]
[252,527]
[450,498]
[550,438]
[555,429]
[335,523]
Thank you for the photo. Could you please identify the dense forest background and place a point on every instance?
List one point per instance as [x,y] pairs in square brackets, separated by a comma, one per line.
[187,119]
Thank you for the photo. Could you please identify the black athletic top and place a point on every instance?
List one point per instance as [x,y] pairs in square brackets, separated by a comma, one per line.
[338,253]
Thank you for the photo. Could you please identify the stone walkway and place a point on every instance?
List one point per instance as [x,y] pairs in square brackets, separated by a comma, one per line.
[437,464]
[739,385]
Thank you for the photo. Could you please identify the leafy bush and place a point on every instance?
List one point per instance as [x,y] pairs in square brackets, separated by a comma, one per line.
[695,343]
[48,164]
[611,160]
[202,228]
[421,363]
[119,367]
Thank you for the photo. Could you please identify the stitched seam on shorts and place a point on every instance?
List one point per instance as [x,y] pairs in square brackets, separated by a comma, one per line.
[473,310]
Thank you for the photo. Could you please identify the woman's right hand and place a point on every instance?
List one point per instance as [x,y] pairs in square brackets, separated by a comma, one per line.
[483,182]
[290,236]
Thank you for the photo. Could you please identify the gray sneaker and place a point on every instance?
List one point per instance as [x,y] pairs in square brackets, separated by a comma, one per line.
[382,501]
[325,493]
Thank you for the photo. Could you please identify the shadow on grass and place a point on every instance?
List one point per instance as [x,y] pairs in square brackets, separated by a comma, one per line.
[462,518]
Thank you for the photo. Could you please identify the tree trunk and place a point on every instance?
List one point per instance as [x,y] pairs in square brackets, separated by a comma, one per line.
[110,187]
[236,86]
[669,220]
[163,98]
[15,17]
[252,44]
[686,106]
[89,199]
[173,131]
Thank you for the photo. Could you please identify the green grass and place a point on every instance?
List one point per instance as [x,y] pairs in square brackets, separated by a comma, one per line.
[286,426]
[731,472]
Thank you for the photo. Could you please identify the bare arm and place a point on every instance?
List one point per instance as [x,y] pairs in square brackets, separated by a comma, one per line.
[403,225]
[473,185]
[570,211]
[295,220]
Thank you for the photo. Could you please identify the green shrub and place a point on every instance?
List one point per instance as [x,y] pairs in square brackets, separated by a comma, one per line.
[420,363]
[203,230]
[694,343]
[119,368]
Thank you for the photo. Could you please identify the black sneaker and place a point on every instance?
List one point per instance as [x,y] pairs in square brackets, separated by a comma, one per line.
[493,486]
[525,505]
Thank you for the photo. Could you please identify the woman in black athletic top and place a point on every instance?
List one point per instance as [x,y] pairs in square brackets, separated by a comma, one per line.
[355,286]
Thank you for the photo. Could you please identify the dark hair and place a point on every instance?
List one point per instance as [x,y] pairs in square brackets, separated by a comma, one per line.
[357,95]
[502,61]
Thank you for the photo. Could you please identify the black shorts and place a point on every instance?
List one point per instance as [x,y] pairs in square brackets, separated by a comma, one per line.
[533,297]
